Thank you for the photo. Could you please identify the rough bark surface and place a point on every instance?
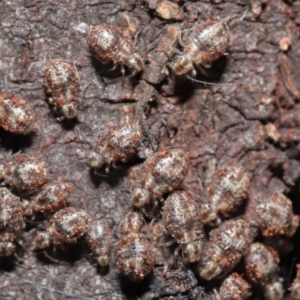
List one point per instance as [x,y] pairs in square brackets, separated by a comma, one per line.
[250,116]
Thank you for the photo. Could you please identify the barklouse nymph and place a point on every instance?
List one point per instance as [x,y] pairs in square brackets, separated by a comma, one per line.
[66,226]
[7,242]
[108,44]
[182,219]
[11,211]
[51,198]
[16,115]
[118,144]
[158,175]
[24,173]
[273,215]
[159,238]
[99,240]
[226,192]
[204,44]
[134,253]
[227,245]
[234,287]
[61,82]
[123,142]
[11,221]
[261,265]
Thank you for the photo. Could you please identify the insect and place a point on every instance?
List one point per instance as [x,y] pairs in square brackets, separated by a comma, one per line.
[123,142]
[24,173]
[52,197]
[183,221]
[11,221]
[7,242]
[159,238]
[261,266]
[226,191]
[65,227]
[227,245]
[234,287]
[273,215]
[206,43]
[61,83]
[99,240]
[16,115]
[134,253]
[159,174]
[11,210]
[108,44]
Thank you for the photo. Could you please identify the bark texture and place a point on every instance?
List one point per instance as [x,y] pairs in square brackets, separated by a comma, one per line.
[251,116]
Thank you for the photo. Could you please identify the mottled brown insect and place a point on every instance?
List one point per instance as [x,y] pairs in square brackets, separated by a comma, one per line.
[11,221]
[182,219]
[261,266]
[234,287]
[61,82]
[108,44]
[51,198]
[274,216]
[204,44]
[16,115]
[159,174]
[123,142]
[159,238]
[24,173]
[7,242]
[227,245]
[99,240]
[11,211]
[134,253]
[261,263]
[226,192]
[118,144]
[66,226]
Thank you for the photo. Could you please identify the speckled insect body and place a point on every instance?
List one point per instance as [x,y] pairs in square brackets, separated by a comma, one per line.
[227,245]
[159,237]
[7,242]
[118,144]
[16,115]
[226,192]
[261,266]
[134,253]
[67,225]
[160,174]
[234,287]
[206,43]
[24,173]
[183,221]
[109,45]
[11,221]
[274,216]
[11,210]
[99,240]
[51,198]
[61,83]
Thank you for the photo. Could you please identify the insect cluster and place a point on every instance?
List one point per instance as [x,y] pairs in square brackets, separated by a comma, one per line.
[209,235]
